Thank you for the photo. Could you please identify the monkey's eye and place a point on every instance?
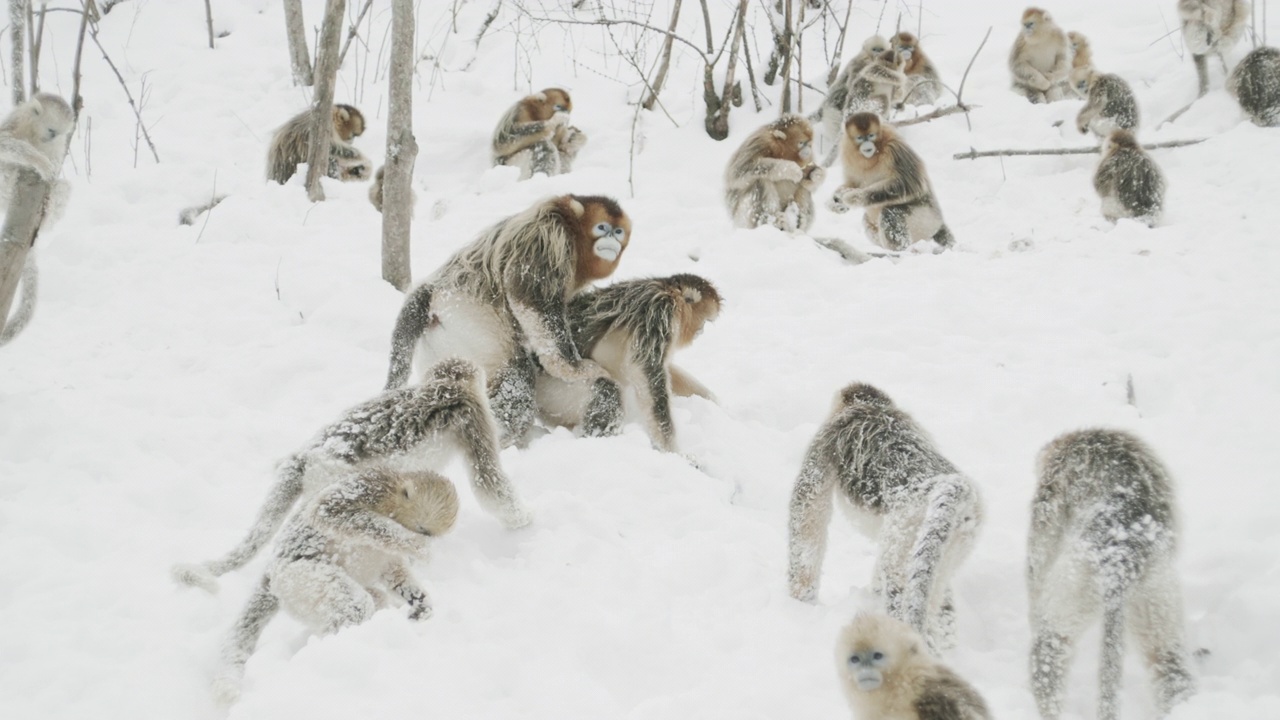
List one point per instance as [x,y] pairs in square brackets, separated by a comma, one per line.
[560,108]
[619,232]
[602,229]
[855,660]
[877,655]
[1029,25]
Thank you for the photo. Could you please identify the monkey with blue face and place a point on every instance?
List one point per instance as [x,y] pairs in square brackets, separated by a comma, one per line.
[501,301]
[886,672]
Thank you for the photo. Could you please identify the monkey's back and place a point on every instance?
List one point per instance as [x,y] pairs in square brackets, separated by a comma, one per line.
[1115,494]
[884,455]
[1134,181]
[1255,83]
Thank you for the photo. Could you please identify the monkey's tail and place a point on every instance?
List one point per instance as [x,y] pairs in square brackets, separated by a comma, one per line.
[951,507]
[414,319]
[26,303]
[1112,665]
[283,495]
[262,606]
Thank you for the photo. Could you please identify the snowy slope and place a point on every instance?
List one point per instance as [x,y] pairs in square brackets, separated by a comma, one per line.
[169,367]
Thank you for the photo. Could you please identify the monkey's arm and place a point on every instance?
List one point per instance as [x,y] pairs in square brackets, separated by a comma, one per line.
[1048,524]
[398,579]
[345,509]
[537,303]
[686,385]
[20,153]
[1023,71]
[773,169]
[810,513]
[906,185]
[1104,180]
[414,319]
[1089,112]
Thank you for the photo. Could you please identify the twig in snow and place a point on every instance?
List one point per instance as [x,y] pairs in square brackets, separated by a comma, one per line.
[137,113]
[973,154]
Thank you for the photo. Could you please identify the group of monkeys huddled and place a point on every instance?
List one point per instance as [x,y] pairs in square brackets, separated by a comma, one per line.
[510,332]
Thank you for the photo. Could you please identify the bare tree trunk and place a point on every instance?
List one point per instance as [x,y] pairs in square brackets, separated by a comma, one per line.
[18,43]
[37,40]
[660,77]
[208,19]
[298,58]
[786,61]
[26,210]
[322,113]
[718,121]
[402,151]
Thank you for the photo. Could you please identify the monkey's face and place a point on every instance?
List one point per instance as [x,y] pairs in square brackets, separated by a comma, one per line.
[427,504]
[699,303]
[1032,19]
[863,131]
[793,140]
[875,45]
[905,43]
[557,101]
[1077,41]
[603,235]
[866,667]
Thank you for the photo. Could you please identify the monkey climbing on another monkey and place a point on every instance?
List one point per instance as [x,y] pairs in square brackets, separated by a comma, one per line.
[535,135]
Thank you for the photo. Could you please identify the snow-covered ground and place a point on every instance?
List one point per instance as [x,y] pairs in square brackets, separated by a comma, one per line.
[169,367]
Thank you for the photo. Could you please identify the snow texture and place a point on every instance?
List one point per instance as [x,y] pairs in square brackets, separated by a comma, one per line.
[168,367]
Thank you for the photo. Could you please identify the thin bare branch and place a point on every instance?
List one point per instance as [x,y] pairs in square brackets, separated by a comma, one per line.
[137,112]
[355,28]
[973,154]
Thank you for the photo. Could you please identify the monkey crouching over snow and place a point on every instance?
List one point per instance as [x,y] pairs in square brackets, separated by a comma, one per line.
[336,556]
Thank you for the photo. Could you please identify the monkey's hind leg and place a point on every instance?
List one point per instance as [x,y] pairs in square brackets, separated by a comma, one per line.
[476,432]
[655,396]
[511,399]
[893,231]
[946,533]
[1202,73]
[1065,602]
[321,594]
[1155,613]
[283,494]
[262,606]
[414,319]
[544,158]
[943,237]
[603,416]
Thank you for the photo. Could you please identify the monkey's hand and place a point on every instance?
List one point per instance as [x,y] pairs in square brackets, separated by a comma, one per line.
[420,612]
[813,177]
[802,586]
[851,196]
[559,119]
[20,153]
[836,205]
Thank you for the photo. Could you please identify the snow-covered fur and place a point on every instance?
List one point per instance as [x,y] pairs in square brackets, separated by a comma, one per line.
[771,177]
[1211,27]
[835,107]
[632,328]
[1128,181]
[887,675]
[1255,83]
[500,302]
[407,430]
[1110,105]
[927,513]
[352,540]
[1102,542]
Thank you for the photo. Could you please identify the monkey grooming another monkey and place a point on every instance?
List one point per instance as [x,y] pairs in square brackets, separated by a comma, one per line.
[632,328]
[886,673]
[886,177]
[352,540]
[291,145]
[1102,541]
[927,512]
[1040,60]
[835,107]
[501,301]
[535,136]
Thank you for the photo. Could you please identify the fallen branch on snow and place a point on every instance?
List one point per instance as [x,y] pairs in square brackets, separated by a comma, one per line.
[973,154]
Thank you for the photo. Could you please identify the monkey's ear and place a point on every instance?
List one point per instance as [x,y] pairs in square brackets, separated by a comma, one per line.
[342,113]
[576,206]
[542,96]
[780,134]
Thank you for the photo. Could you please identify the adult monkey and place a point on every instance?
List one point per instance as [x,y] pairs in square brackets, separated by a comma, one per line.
[500,302]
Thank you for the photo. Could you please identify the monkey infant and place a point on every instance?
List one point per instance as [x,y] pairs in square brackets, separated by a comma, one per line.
[336,555]
[535,136]
[886,674]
